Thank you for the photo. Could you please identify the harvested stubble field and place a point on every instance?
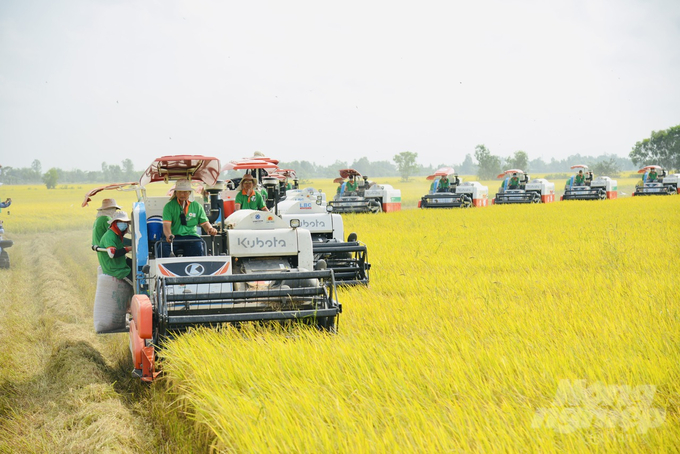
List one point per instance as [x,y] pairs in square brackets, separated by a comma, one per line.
[539,328]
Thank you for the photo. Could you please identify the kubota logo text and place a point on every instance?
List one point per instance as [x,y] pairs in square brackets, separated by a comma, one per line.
[314,223]
[249,243]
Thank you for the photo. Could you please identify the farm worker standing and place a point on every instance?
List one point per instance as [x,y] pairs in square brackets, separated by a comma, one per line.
[340,185]
[351,185]
[248,198]
[444,184]
[181,217]
[580,179]
[514,182]
[652,175]
[101,223]
[113,261]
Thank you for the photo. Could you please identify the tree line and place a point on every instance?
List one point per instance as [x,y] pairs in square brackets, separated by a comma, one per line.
[662,148]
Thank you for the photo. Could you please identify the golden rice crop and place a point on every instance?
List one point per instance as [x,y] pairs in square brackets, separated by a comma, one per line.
[472,320]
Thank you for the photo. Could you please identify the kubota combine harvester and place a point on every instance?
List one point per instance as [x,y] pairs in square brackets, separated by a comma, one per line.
[454,194]
[657,181]
[518,187]
[348,259]
[359,195]
[257,268]
[583,186]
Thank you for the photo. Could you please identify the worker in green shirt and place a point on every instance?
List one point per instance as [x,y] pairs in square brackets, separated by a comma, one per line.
[113,260]
[652,175]
[351,185]
[514,182]
[444,184]
[101,223]
[580,179]
[181,218]
[248,198]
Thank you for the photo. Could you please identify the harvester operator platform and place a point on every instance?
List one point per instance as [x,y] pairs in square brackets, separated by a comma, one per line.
[180,219]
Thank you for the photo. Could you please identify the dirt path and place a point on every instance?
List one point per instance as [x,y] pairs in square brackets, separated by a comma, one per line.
[62,387]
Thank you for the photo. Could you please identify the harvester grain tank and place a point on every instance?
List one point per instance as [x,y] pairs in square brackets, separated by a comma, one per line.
[348,259]
[583,186]
[518,187]
[258,268]
[366,197]
[657,181]
[455,194]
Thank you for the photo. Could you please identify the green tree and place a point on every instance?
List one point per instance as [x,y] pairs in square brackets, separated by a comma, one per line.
[489,165]
[36,167]
[468,166]
[520,160]
[50,178]
[406,164]
[607,167]
[662,148]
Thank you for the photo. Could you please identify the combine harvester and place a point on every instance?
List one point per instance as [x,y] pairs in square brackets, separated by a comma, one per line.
[368,197]
[457,194]
[600,188]
[517,187]
[258,268]
[656,181]
[348,259]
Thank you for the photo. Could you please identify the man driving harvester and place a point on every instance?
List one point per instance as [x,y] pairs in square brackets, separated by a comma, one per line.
[180,219]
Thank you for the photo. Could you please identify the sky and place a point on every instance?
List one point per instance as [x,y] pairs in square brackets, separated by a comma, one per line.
[86,82]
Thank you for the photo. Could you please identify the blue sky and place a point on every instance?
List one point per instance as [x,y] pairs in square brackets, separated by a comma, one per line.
[86,82]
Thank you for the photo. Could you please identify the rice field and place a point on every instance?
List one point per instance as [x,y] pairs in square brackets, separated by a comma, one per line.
[519,328]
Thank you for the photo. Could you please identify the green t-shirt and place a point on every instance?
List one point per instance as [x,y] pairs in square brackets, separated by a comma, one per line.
[351,186]
[652,176]
[444,183]
[579,180]
[514,181]
[254,202]
[195,216]
[117,266]
[101,225]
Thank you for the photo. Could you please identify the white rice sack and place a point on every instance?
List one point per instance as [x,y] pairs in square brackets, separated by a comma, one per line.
[111,303]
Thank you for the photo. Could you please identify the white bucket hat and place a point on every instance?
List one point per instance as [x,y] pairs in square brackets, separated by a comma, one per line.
[119,216]
[183,185]
[108,203]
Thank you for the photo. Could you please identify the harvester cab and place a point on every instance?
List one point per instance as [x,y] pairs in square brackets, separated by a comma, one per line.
[348,259]
[518,187]
[265,171]
[447,191]
[582,186]
[656,181]
[257,268]
[360,195]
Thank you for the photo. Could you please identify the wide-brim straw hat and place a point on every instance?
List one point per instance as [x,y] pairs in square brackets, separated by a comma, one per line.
[108,203]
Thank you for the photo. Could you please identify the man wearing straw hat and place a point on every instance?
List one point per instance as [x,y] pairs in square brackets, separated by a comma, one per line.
[181,217]
[113,261]
[101,224]
[248,198]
